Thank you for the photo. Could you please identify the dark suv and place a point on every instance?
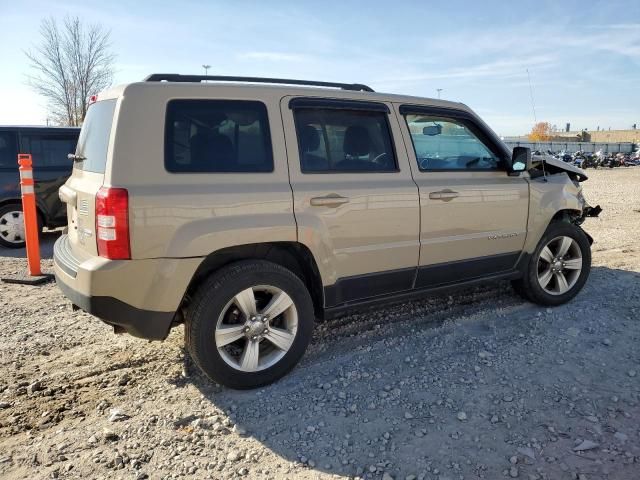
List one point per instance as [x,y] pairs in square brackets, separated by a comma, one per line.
[49,147]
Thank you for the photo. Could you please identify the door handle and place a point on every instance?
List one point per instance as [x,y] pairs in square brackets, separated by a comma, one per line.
[331,200]
[445,195]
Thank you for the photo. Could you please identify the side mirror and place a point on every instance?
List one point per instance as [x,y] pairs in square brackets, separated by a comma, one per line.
[432,130]
[520,159]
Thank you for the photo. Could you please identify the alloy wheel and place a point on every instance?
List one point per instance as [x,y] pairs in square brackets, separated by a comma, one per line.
[559,265]
[256,328]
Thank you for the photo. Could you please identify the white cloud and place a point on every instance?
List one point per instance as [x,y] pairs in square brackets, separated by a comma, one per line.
[21,106]
[505,68]
[273,56]
[616,26]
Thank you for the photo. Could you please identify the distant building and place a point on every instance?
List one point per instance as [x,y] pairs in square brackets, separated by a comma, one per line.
[608,136]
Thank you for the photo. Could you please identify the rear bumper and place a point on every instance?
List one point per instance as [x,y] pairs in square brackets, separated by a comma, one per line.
[139,296]
[139,323]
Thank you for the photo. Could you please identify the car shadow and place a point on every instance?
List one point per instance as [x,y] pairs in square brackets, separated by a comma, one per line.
[440,386]
[47,239]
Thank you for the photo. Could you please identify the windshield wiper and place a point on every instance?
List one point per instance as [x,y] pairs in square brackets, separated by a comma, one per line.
[75,157]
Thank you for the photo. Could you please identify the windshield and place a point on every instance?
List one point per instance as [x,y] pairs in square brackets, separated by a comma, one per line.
[94,136]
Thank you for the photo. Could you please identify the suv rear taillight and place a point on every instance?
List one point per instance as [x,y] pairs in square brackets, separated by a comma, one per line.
[112,223]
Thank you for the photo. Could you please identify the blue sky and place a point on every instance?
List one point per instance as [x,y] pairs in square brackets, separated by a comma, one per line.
[583,56]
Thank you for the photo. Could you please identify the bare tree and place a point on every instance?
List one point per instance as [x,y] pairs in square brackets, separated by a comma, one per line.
[72,63]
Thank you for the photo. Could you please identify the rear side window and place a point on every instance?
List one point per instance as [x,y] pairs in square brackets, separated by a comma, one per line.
[49,151]
[8,154]
[94,136]
[339,140]
[208,136]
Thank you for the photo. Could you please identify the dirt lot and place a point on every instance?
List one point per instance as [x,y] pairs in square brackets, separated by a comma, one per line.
[480,385]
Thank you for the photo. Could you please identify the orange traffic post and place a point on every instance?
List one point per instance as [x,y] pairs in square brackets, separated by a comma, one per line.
[29,214]
[31,229]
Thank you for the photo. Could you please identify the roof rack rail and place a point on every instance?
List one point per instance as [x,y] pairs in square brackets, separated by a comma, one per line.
[176,77]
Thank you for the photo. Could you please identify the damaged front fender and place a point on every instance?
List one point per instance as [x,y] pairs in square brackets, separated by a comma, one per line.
[555,196]
[548,165]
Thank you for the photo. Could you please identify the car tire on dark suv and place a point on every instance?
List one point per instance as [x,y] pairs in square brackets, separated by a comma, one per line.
[12,226]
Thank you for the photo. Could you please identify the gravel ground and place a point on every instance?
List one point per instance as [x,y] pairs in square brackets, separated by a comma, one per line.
[475,385]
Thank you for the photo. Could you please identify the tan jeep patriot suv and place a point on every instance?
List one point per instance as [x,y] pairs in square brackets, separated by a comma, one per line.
[246,208]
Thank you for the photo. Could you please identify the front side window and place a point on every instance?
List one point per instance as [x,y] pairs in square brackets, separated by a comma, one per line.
[8,154]
[49,151]
[448,144]
[337,140]
[209,136]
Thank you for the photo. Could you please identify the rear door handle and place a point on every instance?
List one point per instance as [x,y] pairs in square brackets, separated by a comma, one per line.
[445,195]
[331,200]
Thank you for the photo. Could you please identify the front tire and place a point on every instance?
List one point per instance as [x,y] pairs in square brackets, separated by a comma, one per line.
[558,268]
[249,324]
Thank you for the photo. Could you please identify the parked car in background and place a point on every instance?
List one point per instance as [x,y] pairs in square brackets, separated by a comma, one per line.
[49,147]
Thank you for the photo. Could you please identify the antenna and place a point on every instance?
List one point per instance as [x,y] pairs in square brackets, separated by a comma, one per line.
[533,105]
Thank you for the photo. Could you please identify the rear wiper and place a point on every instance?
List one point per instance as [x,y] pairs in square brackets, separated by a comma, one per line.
[75,157]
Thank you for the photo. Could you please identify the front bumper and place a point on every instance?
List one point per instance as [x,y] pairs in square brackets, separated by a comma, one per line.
[140,297]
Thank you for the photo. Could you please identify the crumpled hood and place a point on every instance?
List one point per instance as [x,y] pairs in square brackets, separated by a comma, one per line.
[557,164]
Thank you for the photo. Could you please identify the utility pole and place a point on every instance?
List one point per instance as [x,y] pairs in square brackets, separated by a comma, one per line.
[206,69]
[439,90]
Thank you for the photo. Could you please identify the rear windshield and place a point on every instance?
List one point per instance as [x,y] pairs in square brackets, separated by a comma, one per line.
[94,137]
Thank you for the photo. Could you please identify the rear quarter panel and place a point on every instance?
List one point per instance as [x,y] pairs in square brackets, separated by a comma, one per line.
[182,215]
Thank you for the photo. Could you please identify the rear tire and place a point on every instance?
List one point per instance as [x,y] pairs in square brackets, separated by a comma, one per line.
[249,324]
[558,268]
